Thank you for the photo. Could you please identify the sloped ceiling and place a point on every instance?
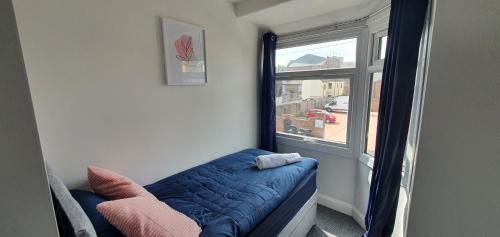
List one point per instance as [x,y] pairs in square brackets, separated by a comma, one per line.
[269,13]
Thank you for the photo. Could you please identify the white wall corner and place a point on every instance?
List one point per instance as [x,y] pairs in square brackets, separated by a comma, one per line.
[343,207]
[359,217]
[335,204]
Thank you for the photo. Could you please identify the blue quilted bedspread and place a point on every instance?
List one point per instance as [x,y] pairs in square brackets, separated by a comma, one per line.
[230,196]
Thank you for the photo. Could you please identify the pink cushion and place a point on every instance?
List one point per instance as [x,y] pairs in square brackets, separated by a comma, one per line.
[141,216]
[113,185]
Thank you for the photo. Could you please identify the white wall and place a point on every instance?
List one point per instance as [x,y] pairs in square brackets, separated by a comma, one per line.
[458,161]
[335,179]
[362,188]
[97,79]
[25,199]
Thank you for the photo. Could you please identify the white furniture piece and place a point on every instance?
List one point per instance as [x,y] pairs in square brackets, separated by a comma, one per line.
[304,220]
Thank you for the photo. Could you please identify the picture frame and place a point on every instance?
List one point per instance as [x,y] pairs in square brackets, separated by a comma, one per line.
[185,53]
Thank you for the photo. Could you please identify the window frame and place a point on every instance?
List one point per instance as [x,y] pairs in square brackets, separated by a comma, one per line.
[356,29]
[377,24]
[375,49]
[318,141]
[375,66]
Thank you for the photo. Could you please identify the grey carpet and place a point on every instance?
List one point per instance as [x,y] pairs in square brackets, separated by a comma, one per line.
[330,223]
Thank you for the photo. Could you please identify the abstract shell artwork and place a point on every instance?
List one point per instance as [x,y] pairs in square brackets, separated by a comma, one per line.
[184,45]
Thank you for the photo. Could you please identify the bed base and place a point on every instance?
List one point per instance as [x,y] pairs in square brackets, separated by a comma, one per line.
[303,221]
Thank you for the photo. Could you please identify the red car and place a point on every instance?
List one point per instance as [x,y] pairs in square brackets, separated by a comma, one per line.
[315,113]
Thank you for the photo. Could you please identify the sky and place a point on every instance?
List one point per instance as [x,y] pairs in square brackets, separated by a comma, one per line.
[340,48]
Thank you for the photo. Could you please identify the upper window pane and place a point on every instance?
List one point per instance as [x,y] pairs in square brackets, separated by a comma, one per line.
[382,47]
[311,108]
[328,55]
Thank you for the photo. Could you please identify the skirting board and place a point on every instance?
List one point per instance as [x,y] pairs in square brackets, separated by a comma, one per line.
[359,217]
[342,207]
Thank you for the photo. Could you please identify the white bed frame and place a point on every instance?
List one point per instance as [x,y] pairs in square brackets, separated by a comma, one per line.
[303,221]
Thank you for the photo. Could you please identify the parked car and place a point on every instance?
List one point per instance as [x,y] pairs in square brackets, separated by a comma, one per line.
[315,113]
[339,103]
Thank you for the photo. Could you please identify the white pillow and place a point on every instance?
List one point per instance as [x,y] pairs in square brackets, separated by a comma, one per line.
[77,217]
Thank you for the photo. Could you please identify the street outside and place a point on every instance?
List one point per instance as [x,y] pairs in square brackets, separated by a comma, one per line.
[338,131]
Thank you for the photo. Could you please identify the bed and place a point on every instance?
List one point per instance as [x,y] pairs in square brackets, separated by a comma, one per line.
[231,197]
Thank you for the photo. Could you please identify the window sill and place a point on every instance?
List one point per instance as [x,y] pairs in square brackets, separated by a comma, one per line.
[366,160]
[312,145]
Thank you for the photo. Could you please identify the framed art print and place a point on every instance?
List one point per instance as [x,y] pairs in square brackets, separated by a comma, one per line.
[184,45]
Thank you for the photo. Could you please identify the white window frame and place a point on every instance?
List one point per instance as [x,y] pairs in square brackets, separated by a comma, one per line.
[377,23]
[375,48]
[356,76]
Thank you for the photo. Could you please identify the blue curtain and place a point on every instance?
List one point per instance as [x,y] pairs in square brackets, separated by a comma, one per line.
[268,106]
[405,29]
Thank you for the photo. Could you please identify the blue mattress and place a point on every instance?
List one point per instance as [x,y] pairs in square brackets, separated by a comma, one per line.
[230,196]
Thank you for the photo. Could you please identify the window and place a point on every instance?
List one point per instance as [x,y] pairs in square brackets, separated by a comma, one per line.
[305,109]
[315,85]
[382,44]
[319,56]
[378,49]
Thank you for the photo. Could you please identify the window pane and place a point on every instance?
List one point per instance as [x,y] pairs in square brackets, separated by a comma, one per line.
[376,83]
[311,108]
[382,47]
[328,55]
